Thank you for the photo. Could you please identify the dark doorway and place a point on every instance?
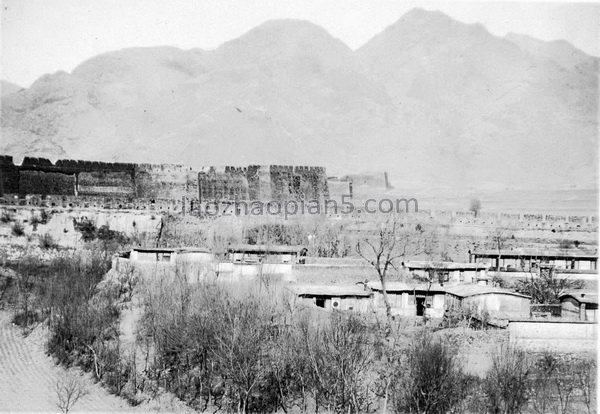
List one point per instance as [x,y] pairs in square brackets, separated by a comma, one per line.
[420,306]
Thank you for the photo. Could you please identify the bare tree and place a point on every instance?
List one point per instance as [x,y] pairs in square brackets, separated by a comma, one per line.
[499,237]
[69,389]
[392,242]
[585,374]
[507,382]
[475,206]
[434,381]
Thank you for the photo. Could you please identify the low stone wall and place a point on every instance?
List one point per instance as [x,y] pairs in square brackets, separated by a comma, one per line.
[554,335]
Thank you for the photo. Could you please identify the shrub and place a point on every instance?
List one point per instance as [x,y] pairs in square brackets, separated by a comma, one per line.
[339,355]
[434,383]
[105,234]
[35,220]
[547,288]
[47,242]
[507,381]
[87,228]
[6,217]
[17,229]
[585,375]
[45,217]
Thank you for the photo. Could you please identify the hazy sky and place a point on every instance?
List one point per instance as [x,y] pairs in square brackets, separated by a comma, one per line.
[42,36]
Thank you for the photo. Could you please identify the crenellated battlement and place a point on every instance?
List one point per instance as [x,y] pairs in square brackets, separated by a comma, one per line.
[94,182]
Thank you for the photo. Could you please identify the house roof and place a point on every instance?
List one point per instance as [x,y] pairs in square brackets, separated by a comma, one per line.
[330,290]
[153,249]
[425,264]
[464,291]
[529,252]
[171,250]
[393,286]
[193,250]
[582,296]
[263,248]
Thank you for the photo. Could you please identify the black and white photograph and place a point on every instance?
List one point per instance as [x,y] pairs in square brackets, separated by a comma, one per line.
[299,206]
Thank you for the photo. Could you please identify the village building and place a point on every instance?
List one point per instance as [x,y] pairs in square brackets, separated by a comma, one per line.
[580,305]
[254,253]
[253,260]
[497,302]
[527,260]
[170,255]
[448,272]
[335,297]
[196,264]
[410,300]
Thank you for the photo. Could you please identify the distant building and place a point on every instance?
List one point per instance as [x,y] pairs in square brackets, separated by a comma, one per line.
[448,272]
[526,260]
[170,255]
[410,300]
[580,305]
[196,264]
[435,299]
[254,253]
[251,260]
[498,302]
[335,297]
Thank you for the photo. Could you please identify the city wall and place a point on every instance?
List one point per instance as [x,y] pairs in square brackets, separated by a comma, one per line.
[70,183]
[264,183]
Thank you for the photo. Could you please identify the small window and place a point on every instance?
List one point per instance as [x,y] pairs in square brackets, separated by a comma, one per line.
[461,276]
[320,302]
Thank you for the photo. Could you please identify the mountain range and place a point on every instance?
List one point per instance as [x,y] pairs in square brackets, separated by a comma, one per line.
[432,101]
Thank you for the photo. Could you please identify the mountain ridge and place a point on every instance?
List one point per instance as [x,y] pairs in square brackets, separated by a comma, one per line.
[449,105]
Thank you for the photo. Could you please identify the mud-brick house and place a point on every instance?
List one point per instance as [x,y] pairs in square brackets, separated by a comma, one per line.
[170,255]
[497,302]
[410,300]
[448,272]
[251,260]
[335,297]
[581,305]
[528,259]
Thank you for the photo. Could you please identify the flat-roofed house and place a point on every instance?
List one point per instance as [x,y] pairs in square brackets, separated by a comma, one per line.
[581,305]
[195,263]
[448,272]
[410,300]
[335,297]
[528,259]
[497,302]
[170,255]
[252,260]
[255,253]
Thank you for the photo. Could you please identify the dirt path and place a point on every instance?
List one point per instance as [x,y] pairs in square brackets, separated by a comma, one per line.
[28,376]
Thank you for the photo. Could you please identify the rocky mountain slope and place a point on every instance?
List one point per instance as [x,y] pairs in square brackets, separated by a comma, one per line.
[8,88]
[433,101]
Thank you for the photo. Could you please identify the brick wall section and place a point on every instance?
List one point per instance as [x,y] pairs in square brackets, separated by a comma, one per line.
[149,185]
[41,182]
[9,176]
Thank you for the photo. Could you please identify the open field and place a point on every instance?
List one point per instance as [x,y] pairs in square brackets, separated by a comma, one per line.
[29,376]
